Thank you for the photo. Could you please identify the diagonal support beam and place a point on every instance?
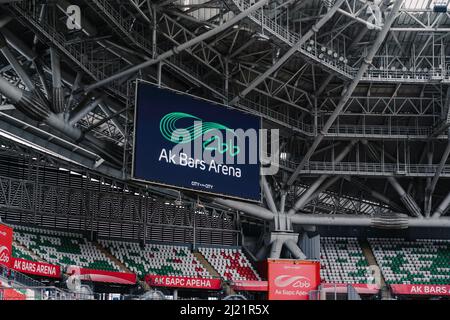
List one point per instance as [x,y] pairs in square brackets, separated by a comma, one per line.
[289,53]
[349,90]
[430,189]
[406,199]
[442,208]
[268,195]
[58,94]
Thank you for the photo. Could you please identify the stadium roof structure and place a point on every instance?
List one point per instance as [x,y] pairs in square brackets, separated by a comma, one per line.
[360,91]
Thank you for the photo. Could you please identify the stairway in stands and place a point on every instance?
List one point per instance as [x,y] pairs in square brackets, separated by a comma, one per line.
[212,271]
[122,267]
[367,251]
[20,251]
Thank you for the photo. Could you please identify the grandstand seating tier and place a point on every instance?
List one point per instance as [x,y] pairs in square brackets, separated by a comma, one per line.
[231,264]
[423,261]
[170,260]
[63,248]
[342,261]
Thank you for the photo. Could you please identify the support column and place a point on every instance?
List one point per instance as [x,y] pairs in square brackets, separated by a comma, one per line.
[292,246]
[268,195]
[58,94]
[275,249]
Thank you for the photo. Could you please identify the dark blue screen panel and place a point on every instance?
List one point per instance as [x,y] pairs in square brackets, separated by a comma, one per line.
[161,111]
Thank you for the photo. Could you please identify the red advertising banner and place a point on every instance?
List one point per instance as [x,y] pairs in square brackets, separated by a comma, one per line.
[36,268]
[247,285]
[183,282]
[292,279]
[421,289]
[102,275]
[7,293]
[6,238]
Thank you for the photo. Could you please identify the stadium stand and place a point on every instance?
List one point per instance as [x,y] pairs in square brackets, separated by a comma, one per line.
[231,264]
[157,259]
[424,261]
[63,248]
[342,261]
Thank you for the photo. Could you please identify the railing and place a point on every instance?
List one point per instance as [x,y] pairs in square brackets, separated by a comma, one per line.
[374,169]
[35,290]
[333,60]
[380,130]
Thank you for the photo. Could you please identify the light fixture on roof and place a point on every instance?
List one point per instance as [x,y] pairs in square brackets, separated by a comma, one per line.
[178,201]
[284,155]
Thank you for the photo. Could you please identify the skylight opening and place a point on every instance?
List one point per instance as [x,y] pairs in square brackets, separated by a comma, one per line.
[416,4]
[424,4]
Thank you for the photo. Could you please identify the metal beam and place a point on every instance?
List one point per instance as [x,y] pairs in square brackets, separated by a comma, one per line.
[58,94]
[430,189]
[363,221]
[294,249]
[268,195]
[179,48]
[250,209]
[442,208]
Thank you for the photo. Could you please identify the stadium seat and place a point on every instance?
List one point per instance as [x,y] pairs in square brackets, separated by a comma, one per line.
[342,261]
[63,248]
[424,261]
[231,264]
[169,260]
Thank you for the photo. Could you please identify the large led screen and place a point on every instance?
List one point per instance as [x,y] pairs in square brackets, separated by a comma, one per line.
[190,143]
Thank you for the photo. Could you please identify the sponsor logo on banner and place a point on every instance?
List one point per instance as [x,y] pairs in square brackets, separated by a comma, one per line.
[421,289]
[102,275]
[292,279]
[4,255]
[6,236]
[36,268]
[183,282]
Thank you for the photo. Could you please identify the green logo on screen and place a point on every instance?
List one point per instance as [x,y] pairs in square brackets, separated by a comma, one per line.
[172,133]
